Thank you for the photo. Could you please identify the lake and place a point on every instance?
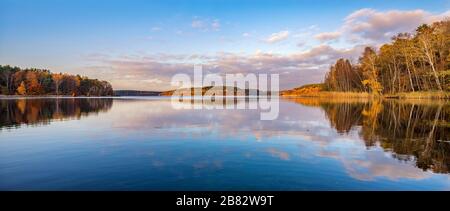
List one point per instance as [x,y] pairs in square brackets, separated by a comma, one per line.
[145,144]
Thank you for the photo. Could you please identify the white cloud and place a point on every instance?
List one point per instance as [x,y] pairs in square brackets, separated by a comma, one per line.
[156,28]
[295,69]
[246,34]
[327,36]
[154,80]
[369,25]
[197,24]
[313,27]
[206,24]
[373,27]
[215,25]
[276,37]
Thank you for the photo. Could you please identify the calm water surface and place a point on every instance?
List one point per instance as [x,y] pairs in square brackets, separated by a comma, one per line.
[145,144]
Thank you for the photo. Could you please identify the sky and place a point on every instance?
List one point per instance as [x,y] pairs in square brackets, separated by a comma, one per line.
[137,44]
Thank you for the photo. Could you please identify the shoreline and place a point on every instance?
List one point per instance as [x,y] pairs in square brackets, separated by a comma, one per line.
[320,94]
[365,95]
[48,96]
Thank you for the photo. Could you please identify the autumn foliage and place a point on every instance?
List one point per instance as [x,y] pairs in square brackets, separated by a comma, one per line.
[14,80]
[410,63]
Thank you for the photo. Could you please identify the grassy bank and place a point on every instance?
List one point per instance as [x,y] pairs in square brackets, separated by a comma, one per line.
[325,94]
[318,91]
[407,95]
[419,95]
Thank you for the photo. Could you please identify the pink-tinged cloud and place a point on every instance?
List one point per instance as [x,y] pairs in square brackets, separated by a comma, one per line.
[327,36]
[362,27]
[277,37]
[294,69]
[369,25]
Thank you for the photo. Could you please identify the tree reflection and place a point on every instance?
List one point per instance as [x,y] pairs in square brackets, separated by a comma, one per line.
[412,130]
[15,112]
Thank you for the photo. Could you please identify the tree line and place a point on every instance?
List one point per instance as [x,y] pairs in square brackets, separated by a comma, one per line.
[31,81]
[410,62]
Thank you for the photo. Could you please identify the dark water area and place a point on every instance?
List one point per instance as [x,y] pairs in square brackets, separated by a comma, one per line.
[144,143]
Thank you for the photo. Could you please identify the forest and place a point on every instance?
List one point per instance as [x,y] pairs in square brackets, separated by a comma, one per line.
[411,62]
[17,81]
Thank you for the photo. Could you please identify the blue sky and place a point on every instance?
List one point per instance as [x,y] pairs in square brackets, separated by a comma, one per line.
[146,40]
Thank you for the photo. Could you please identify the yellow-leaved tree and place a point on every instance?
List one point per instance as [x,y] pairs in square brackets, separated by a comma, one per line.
[370,71]
[22,89]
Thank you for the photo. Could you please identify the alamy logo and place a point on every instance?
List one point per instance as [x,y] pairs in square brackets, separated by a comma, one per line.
[213,91]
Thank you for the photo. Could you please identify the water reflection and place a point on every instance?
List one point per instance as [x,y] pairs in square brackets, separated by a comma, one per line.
[44,110]
[412,130]
[146,144]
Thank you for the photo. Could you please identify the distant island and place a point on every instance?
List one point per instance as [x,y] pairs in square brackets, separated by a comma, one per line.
[38,82]
[411,66]
[136,93]
[216,90]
